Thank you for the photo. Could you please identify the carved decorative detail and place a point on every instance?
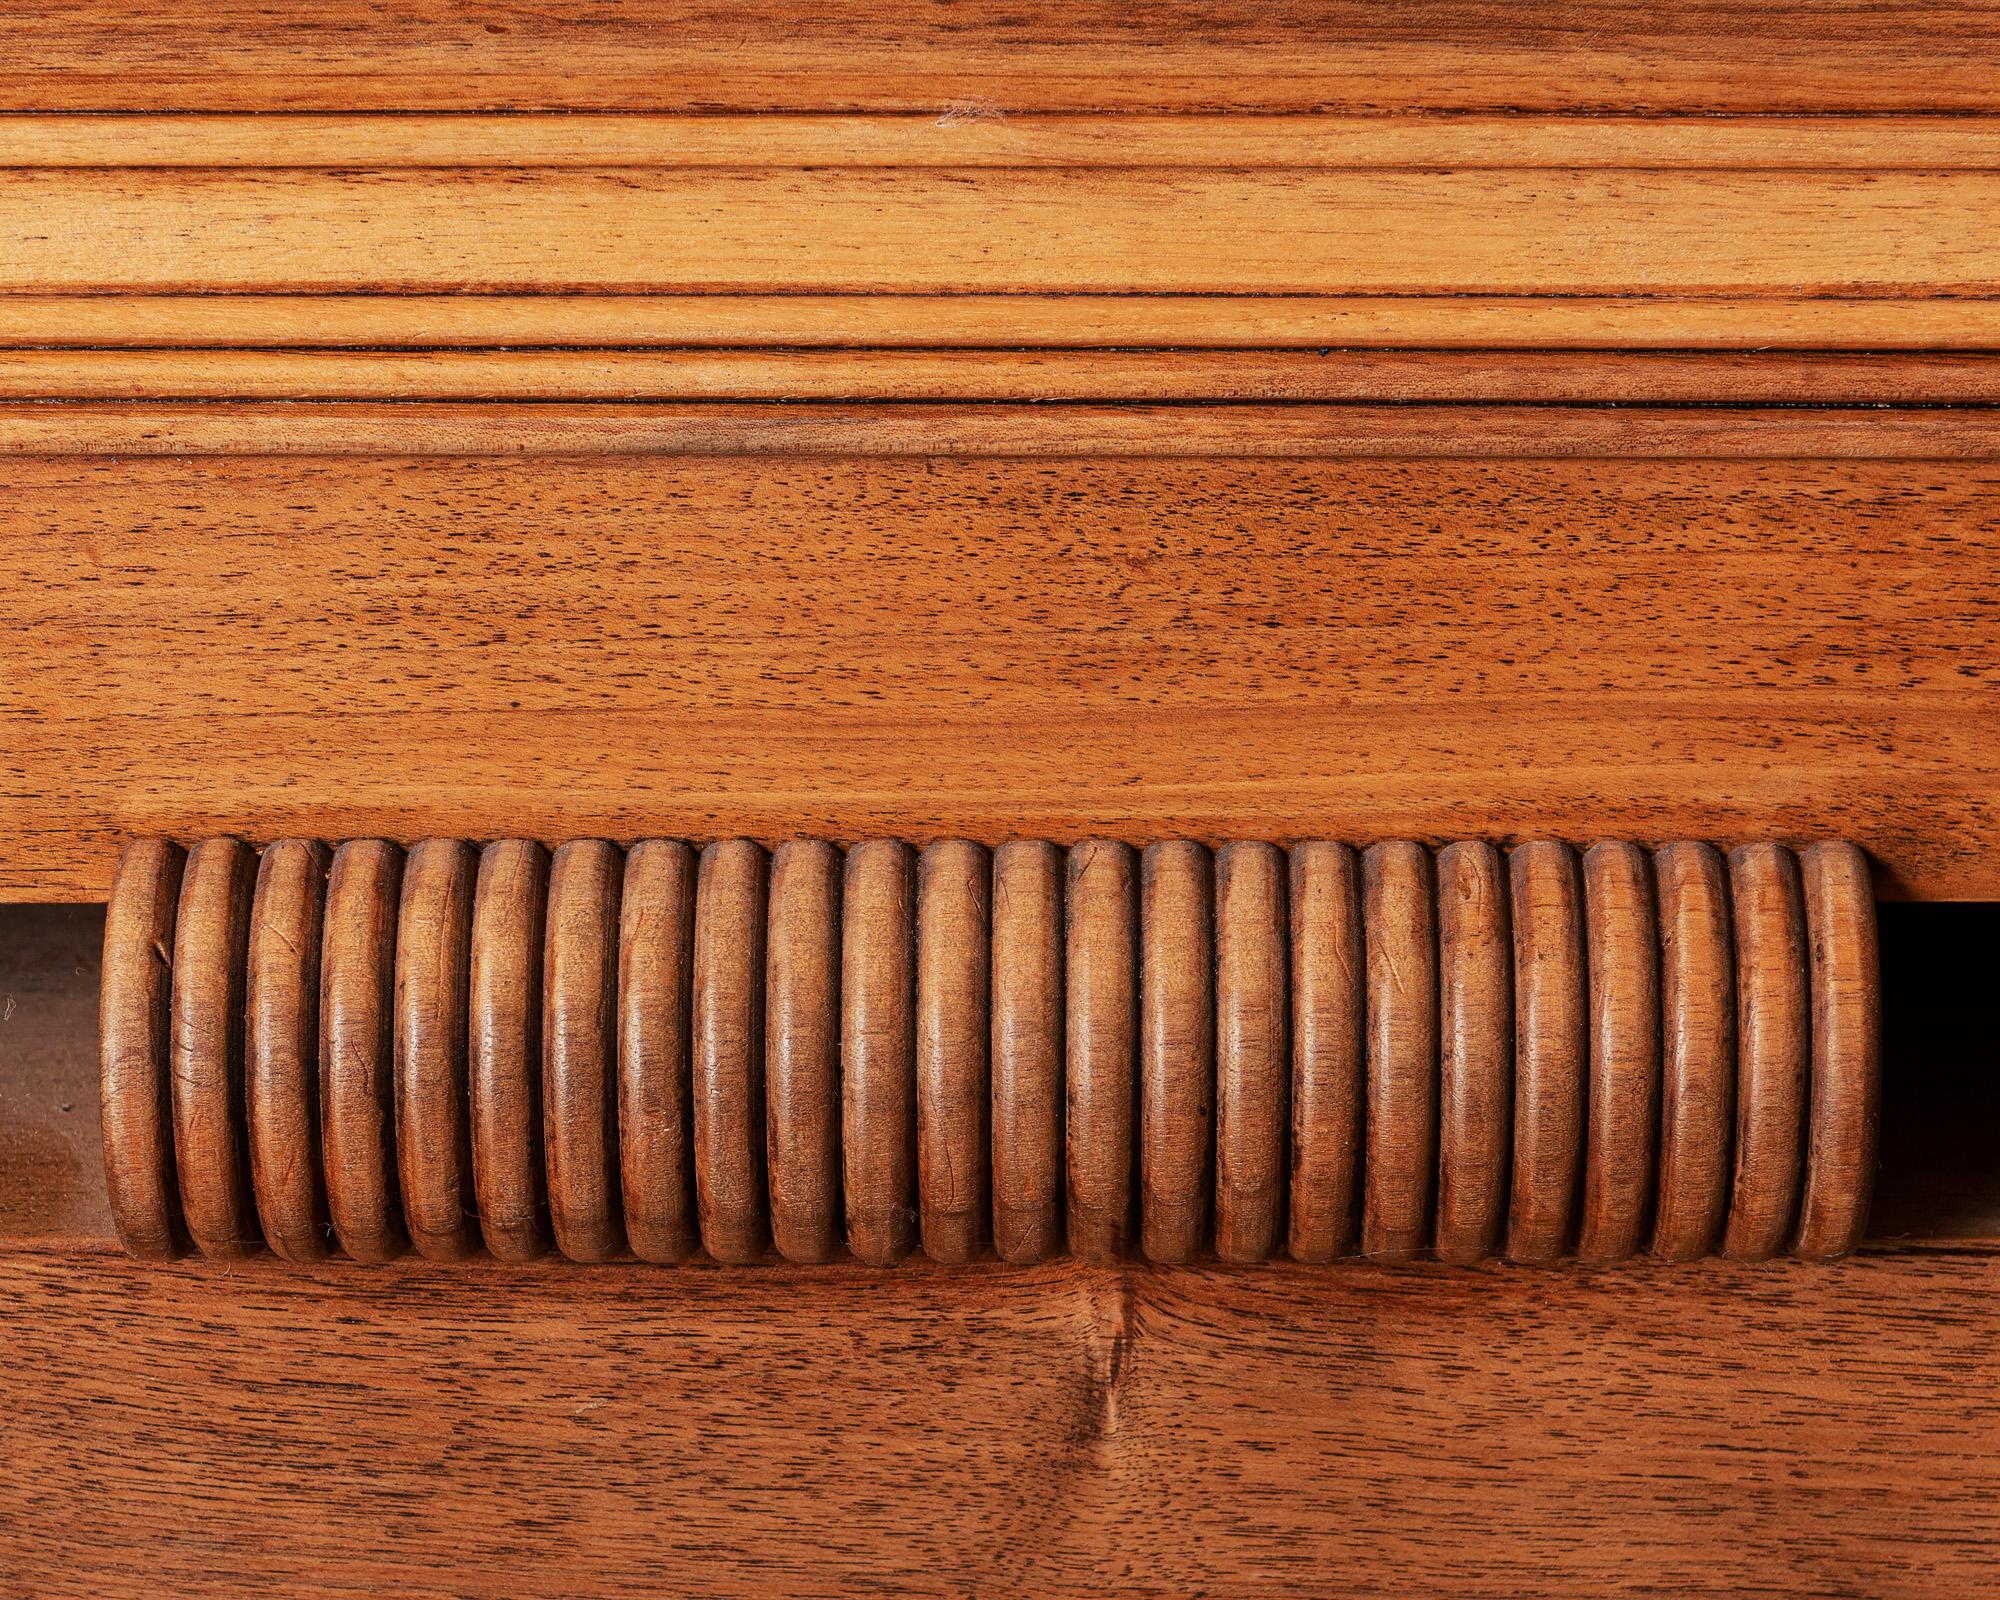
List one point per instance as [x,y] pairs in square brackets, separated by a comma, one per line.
[1320,1051]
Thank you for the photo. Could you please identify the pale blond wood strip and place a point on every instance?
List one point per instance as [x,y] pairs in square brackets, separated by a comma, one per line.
[949,321]
[999,375]
[990,55]
[956,139]
[912,429]
[1126,231]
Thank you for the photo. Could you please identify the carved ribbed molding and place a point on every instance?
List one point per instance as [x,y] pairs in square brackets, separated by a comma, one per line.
[1321,1052]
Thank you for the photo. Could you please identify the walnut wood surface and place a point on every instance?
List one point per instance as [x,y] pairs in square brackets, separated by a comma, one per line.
[895,1122]
[802,1049]
[1551,1033]
[205,1047]
[1622,940]
[1475,1050]
[1715,1429]
[878,1067]
[357,1018]
[1773,1033]
[1329,1050]
[1178,993]
[655,1021]
[580,1049]
[135,1086]
[1104,685]
[1029,1037]
[988,59]
[954,1034]
[281,1048]
[1698,1049]
[504,1047]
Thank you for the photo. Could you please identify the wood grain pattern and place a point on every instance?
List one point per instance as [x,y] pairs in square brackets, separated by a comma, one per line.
[281,1048]
[1253,1049]
[1565,1435]
[985,60]
[1526,323]
[580,1049]
[1029,990]
[1475,1050]
[1203,709]
[1006,231]
[433,1114]
[135,1082]
[1400,930]
[134,429]
[655,1051]
[205,1047]
[1101,1091]
[1844,1092]
[1329,1050]
[878,1067]
[1622,1115]
[1551,1045]
[1698,1049]
[1177,1048]
[802,1050]
[1403,377]
[357,1018]
[504,1047]
[1773,1039]
[954,1034]
[1069,141]
[728,1071]
[1213,1070]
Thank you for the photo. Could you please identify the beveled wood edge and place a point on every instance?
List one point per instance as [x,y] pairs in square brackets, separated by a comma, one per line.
[1416,431]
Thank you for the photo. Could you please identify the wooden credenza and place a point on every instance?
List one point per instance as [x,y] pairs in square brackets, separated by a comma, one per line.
[906,461]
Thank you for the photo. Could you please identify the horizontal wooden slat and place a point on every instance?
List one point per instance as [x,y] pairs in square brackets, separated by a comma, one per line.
[924,55]
[983,321]
[971,138]
[1000,375]
[1294,231]
[132,428]
[990,647]
[578,1432]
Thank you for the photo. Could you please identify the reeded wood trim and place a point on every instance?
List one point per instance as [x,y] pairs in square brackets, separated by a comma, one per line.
[1214,1034]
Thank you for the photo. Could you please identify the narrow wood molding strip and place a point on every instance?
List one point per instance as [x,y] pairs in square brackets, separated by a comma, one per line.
[1000,429]
[976,321]
[936,376]
[848,230]
[978,55]
[957,139]
[1212,1033]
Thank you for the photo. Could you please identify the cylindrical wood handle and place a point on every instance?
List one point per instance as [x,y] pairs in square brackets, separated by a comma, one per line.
[1323,1052]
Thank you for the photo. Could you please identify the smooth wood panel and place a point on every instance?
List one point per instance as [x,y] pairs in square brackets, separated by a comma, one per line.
[401,429]
[1296,231]
[442,1431]
[987,57]
[960,140]
[1364,648]
[1402,376]
[980,321]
